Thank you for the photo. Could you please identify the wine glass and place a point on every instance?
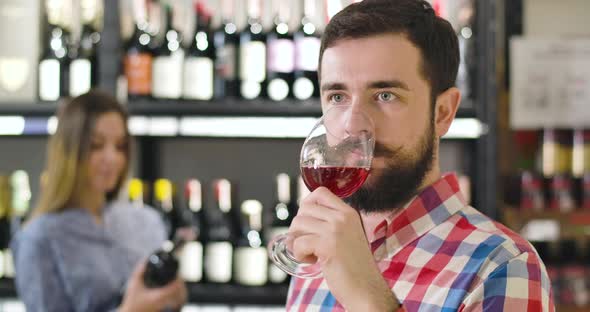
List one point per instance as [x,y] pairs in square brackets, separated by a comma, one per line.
[337,154]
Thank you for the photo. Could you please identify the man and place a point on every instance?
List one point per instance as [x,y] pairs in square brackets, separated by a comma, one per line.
[406,241]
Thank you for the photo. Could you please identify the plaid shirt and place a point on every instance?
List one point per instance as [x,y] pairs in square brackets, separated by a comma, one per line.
[439,254]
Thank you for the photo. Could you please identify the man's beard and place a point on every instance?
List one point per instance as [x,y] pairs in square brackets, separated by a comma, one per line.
[399,181]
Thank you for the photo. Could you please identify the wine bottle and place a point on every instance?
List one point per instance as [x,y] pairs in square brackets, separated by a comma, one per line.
[307,51]
[167,67]
[138,56]
[220,234]
[251,259]
[226,46]
[162,265]
[53,67]
[198,66]
[136,193]
[281,54]
[191,257]
[281,217]
[21,198]
[253,54]
[163,202]
[5,211]
[84,66]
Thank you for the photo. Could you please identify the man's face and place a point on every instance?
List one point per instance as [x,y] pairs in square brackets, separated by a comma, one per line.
[380,75]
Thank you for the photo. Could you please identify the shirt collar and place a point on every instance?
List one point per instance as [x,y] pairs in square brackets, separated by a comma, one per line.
[431,207]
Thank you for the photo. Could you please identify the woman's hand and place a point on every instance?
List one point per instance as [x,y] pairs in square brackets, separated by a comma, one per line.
[138,297]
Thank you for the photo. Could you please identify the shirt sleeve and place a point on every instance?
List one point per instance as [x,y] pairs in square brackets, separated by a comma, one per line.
[37,278]
[520,284]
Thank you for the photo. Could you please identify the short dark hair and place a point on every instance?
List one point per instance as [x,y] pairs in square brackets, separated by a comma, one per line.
[432,35]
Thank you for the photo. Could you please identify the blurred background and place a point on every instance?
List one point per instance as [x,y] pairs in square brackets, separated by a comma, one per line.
[221,94]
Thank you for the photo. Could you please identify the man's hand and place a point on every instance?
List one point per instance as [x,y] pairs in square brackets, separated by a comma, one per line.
[329,231]
[140,298]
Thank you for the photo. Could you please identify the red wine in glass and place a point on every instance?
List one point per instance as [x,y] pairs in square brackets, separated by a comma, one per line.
[342,181]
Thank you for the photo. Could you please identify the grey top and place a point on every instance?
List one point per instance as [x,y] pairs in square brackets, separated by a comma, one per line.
[68,262]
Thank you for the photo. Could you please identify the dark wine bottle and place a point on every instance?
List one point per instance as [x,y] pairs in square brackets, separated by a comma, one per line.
[226,49]
[84,66]
[253,54]
[307,51]
[162,265]
[191,257]
[281,54]
[198,66]
[138,56]
[168,61]
[220,235]
[54,64]
[280,218]
[250,258]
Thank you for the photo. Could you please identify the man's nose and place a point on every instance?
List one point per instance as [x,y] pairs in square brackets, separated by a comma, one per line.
[358,120]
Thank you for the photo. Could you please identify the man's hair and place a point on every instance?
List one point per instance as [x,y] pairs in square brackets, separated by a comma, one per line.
[433,36]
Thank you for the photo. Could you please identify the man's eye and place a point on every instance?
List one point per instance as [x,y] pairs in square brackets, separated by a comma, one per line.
[336,98]
[386,96]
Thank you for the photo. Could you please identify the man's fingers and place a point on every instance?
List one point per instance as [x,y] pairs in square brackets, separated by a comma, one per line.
[304,248]
[302,225]
[324,197]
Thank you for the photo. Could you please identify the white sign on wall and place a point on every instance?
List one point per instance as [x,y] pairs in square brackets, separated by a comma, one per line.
[550,83]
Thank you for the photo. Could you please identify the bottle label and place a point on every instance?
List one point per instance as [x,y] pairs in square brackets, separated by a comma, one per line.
[14,73]
[80,73]
[307,53]
[198,78]
[191,262]
[8,264]
[49,78]
[281,56]
[275,274]
[253,61]
[303,88]
[278,89]
[167,76]
[250,89]
[218,262]
[226,62]
[138,70]
[251,266]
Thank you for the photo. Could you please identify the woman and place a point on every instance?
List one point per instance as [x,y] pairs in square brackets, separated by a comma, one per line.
[82,247]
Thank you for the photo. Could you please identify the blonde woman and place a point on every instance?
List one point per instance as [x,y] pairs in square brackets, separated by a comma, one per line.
[82,246]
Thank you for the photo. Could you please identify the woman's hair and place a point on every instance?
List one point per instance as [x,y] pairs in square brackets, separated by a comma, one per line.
[68,150]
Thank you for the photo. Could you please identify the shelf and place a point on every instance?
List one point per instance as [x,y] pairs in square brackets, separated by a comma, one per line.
[226,107]
[206,293]
[234,294]
[554,224]
[225,119]
[562,308]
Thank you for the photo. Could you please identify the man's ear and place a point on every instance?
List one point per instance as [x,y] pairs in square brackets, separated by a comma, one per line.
[445,109]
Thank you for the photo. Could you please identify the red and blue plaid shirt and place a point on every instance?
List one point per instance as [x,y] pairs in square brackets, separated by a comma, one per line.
[439,254]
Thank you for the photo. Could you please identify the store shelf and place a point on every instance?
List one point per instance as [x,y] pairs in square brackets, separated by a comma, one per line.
[575,224]
[225,119]
[572,309]
[206,293]
[235,294]
[225,107]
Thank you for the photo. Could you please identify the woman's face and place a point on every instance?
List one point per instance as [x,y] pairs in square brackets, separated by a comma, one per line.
[107,157]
